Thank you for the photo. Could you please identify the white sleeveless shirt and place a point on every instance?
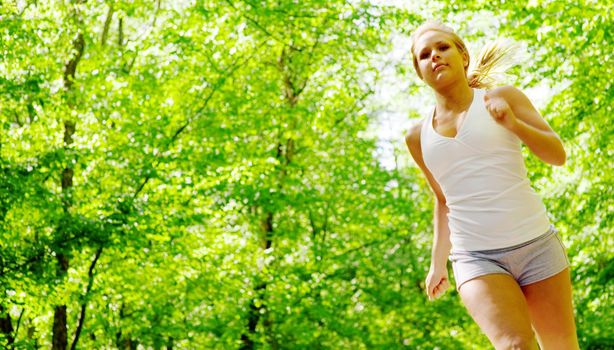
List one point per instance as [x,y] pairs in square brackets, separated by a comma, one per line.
[482,175]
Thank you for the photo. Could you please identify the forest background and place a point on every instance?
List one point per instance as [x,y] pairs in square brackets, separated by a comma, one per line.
[214,175]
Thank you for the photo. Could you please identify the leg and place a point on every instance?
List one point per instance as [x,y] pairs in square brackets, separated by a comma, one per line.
[498,306]
[551,311]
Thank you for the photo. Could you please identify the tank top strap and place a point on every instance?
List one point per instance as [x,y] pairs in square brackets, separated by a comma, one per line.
[426,130]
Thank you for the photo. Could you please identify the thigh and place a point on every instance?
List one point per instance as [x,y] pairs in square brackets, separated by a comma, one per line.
[498,306]
[550,306]
[470,265]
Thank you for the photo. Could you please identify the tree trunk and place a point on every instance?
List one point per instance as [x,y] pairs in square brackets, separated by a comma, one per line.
[60,329]
[252,319]
[6,326]
[285,152]
[60,334]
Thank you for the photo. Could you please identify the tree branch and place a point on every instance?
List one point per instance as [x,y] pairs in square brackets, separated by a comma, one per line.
[264,30]
[90,282]
[220,82]
[107,24]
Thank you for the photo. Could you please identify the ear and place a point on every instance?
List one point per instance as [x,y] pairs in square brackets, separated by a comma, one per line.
[465,59]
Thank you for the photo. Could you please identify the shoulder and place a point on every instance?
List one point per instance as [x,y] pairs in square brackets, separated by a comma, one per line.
[510,93]
[412,137]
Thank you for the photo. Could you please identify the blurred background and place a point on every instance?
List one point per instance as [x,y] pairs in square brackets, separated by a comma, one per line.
[233,174]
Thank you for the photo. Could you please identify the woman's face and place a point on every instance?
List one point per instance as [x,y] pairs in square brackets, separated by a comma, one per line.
[439,60]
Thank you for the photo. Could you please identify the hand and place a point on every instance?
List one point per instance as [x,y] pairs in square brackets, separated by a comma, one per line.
[500,111]
[436,283]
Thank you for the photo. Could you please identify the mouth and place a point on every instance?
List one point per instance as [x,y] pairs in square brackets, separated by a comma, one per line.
[438,65]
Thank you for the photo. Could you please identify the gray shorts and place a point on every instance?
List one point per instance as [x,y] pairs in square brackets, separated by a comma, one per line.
[527,263]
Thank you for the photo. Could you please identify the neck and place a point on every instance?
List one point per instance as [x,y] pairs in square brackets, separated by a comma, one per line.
[454,98]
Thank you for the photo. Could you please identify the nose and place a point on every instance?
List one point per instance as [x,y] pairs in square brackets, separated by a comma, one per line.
[435,55]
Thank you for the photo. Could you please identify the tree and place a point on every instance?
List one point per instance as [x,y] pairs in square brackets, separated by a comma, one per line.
[202,175]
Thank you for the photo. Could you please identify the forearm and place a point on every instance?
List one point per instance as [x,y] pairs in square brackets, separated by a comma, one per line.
[545,144]
[441,238]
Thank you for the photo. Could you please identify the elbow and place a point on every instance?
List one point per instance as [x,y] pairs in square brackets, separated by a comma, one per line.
[560,156]
[559,159]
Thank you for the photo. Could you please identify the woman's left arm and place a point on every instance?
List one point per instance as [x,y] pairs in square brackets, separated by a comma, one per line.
[513,110]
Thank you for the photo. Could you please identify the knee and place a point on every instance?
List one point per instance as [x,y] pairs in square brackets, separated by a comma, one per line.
[517,342]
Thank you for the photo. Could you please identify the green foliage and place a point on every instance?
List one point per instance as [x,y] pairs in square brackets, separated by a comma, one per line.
[224,192]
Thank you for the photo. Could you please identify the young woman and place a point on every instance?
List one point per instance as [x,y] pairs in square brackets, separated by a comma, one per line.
[510,267]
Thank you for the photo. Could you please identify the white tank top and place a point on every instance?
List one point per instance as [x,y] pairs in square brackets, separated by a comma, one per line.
[482,175]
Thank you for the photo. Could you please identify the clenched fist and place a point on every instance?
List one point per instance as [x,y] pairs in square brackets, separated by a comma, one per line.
[436,282]
[500,111]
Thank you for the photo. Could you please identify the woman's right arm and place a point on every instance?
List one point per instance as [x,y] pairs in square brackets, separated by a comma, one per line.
[437,279]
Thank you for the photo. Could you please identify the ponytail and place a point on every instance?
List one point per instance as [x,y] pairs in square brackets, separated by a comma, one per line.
[492,63]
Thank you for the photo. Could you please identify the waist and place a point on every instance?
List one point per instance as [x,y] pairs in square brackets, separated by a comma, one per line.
[551,230]
[495,228]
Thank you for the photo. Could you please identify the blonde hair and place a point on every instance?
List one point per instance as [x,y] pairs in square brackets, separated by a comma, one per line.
[492,62]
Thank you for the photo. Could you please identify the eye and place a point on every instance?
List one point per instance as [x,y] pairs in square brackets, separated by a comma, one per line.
[424,55]
[444,47]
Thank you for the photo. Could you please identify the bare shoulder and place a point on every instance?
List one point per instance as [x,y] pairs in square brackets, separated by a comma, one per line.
[510,93]
[412,138]
[521,106]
